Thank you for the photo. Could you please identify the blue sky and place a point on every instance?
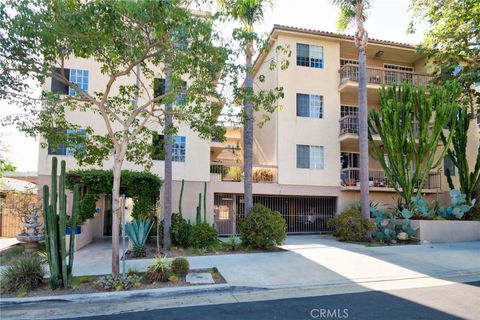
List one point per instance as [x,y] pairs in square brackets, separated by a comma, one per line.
[387,20]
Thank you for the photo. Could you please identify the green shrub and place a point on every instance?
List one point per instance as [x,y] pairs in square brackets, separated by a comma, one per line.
[180,231]
[159,270]
[203,235]
[87,208]
[180,266]
[118,284]
[24,272]
[351,226]
[262,228]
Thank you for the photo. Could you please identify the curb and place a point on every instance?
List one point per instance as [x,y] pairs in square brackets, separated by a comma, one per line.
[113,295]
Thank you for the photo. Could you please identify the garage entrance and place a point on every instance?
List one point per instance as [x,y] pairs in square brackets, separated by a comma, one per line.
[303,214]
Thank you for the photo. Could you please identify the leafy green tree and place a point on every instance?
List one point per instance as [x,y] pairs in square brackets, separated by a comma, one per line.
[452,44]
[410,124]
[37,38]
[354,12]
[5,164]
[249,12]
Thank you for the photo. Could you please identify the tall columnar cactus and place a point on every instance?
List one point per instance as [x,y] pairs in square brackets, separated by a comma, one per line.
[199,209]
[205,202]
[181,198]
[55,227]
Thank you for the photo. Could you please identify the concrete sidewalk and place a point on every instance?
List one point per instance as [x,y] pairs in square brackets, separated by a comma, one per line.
[321,261]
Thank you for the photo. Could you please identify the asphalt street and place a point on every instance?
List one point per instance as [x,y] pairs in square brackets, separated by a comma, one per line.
[366,305]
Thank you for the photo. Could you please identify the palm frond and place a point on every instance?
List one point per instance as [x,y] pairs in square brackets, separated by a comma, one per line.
[348,11]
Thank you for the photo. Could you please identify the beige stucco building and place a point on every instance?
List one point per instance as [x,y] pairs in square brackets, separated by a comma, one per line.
[306,156]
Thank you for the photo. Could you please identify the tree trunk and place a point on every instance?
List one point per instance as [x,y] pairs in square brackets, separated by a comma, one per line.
[248,133]
[116,210]
[363,133]
[167,190]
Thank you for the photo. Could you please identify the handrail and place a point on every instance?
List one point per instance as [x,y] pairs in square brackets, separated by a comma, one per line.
[385,69]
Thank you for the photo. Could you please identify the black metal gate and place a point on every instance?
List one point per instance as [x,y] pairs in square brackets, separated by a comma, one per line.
[303,214]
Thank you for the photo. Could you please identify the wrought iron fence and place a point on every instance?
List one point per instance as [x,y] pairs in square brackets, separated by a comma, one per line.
[303,214]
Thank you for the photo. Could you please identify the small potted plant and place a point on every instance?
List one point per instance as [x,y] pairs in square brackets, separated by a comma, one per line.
[78,227]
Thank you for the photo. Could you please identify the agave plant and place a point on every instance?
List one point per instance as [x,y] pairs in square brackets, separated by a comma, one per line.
[137,232]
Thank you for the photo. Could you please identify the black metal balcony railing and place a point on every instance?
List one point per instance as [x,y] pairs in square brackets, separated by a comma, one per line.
[349,72]
[350,178]
[234,173]
[349,125]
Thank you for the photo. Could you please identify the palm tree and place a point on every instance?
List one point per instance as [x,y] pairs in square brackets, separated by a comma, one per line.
[353,12]
[247,12]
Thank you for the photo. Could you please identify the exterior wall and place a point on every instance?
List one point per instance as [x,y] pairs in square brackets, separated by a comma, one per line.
[196,165]
[266,137]
[293,130]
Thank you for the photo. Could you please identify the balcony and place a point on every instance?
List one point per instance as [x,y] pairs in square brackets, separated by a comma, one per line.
[377,77]
[234,173]
[349,128]
[378,182]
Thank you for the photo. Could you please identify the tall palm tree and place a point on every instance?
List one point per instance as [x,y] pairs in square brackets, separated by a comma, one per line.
[353,12]
[247,12]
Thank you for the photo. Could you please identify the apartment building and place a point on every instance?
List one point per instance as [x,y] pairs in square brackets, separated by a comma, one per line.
[305,157]
[310,145]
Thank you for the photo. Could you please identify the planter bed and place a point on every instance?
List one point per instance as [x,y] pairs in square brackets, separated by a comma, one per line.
[85,284]
[151,251]
[446,230]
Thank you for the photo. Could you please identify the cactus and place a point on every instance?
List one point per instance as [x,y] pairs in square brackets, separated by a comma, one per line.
[407,214]
[199,209]
[181,198]
[459,205]
[205,202]
[422,206]
[55,228]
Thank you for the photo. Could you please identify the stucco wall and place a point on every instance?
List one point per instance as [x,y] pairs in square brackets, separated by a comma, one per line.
[197,159]
[293,130]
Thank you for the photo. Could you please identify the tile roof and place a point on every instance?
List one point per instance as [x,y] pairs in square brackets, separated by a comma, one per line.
[338,35]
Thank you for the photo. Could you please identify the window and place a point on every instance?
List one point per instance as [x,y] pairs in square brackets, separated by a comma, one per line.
[178,148]
[80,78]
[57,86]
[309,56]
[349,160]
[398,74]
[348,111]
[310,106]
[310,157]
[159,89]
[348,61]
[77,76]
[180,39]
[74,142]
[448,165]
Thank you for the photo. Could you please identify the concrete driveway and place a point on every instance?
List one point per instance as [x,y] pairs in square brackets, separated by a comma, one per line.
[319,260]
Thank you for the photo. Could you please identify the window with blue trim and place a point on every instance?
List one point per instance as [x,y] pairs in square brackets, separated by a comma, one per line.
[80,78]
[309,56]
[75,141]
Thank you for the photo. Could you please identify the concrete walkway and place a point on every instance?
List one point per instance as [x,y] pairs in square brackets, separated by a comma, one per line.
[316,260]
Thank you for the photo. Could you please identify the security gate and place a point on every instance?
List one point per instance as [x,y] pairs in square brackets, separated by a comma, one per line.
[303,214]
